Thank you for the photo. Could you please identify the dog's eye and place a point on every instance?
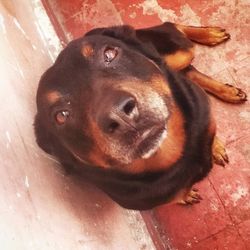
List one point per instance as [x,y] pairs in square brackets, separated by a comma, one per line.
[62,116]
[110,54]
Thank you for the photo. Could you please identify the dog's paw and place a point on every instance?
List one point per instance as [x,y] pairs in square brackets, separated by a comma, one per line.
[216,35]
[192,197]
[219,153]
[233,94]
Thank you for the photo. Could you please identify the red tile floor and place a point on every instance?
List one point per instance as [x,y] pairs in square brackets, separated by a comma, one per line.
[222,219]
[39,209]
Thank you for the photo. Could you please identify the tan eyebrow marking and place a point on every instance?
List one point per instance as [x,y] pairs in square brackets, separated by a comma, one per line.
[87,50]
[53,96]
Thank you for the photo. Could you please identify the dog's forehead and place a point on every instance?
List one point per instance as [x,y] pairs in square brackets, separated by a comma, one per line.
[74,59]
[79,67]
[98,41]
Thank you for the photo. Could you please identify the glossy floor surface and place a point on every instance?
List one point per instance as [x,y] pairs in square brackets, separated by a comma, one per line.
[41,208]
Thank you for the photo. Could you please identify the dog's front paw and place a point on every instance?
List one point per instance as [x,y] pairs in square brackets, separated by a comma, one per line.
[233,94]
[219,153]
[192,197]
[216,35]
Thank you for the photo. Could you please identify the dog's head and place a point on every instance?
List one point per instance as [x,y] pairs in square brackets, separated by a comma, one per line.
[104,102]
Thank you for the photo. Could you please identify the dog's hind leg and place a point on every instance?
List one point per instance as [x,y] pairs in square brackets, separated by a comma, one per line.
[172,44]
[225,92]
[209,36]
[180,59]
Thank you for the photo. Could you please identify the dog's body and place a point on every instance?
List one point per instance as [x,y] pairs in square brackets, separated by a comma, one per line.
[119,108]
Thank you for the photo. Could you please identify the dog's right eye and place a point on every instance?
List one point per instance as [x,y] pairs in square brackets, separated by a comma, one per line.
[62,116]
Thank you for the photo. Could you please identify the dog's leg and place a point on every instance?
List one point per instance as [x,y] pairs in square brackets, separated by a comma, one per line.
[190,196]
[209,36]
[180,59]
[225,92]
[219,153]
[172,44]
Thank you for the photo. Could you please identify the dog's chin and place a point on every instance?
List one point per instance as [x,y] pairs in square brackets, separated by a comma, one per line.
[144,148]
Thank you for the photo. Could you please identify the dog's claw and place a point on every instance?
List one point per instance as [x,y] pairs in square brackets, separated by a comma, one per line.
[193,197]
[221,159]
[217,35]
[242,95]
[226,158]
[220,156]
[233,94]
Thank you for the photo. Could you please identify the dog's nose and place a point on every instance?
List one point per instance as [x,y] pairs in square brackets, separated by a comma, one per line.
[121,115]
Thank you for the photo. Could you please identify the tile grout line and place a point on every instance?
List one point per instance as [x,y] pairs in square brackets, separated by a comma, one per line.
[228,213]
[237,139]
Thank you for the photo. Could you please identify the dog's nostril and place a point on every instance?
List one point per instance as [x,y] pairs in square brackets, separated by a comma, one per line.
[129,107]
[113,126]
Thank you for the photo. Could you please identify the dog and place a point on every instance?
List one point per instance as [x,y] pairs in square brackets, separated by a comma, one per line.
[124,109]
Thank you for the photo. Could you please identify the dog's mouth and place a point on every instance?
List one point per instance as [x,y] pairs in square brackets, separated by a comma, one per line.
[150,141]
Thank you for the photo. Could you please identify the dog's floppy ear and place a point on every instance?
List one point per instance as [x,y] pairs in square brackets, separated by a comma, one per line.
[44,138]
[52,146]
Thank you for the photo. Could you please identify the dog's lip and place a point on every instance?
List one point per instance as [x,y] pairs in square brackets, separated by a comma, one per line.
[150,141]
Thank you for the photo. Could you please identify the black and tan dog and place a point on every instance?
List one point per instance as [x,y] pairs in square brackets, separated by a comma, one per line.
[125,109]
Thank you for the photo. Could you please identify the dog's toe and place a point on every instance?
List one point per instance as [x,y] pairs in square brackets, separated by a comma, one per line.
[192,197]
[219,153]
[232,94]
[217,35]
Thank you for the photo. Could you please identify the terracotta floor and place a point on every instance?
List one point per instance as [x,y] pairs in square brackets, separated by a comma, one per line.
[40,208]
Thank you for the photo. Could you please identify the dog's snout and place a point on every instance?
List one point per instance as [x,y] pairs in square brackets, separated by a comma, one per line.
[128,107]
[120,115]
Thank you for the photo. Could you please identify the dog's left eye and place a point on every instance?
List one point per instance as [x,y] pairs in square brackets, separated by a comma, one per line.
[62,116]
[110,54]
